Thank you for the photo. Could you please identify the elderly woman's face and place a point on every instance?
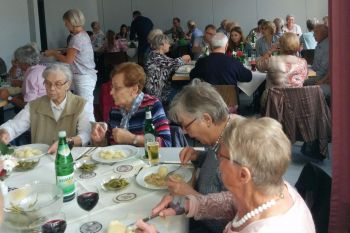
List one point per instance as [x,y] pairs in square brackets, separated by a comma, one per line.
[56,85]
[123,96]
[228,169]
[195,128]
[165,47]
[290,21]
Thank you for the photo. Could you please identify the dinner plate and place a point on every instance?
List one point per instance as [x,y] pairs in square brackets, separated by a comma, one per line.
[129,151]
[140,178]
[42,147]
[185,69]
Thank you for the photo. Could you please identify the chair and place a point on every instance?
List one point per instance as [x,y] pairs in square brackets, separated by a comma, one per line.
[315,185]
[110,60]
[105,101]
[308,54]
[303,113]
[229,94]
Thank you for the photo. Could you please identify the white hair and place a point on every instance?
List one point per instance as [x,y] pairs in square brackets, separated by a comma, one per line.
[219,40]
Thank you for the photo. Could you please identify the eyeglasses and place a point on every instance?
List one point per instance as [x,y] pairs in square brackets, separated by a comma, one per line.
[221,157]
[185,127]
[57,85]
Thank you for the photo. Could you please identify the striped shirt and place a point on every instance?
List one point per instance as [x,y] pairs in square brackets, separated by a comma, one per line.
[137,121]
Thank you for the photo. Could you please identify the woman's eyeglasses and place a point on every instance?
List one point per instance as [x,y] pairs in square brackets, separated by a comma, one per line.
[185,127]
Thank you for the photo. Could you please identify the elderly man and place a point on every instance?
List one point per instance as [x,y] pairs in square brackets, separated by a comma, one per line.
[200,45]
[49,114]
[219,69]
[321,57]
[27,59]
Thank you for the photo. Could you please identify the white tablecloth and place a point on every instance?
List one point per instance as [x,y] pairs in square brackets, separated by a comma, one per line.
[106,209]
[250,87]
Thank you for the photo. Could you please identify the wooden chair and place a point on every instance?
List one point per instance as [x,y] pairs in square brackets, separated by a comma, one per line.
[308,54]
[229,94]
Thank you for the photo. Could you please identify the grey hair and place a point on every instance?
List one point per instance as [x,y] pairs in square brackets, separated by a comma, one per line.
[196,99]
[159,40]
[278,22]
[310,24]
[289,16]
[153,33]
[59,67]
[74,17]
[27,54]
[219,40]
[262,147]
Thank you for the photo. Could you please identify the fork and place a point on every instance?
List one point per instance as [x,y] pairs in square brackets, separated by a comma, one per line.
[173,172]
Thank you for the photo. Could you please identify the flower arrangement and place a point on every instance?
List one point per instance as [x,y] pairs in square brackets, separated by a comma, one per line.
[239,55]
[7,163]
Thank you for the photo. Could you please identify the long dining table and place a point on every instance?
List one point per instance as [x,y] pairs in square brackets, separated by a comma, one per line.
[107,209]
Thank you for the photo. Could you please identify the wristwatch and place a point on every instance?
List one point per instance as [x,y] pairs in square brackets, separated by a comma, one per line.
[10,98]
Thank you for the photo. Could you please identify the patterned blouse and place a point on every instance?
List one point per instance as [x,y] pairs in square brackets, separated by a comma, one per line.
[159,69]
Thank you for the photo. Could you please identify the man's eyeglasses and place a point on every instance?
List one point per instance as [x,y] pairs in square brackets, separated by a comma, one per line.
[57,85]
[185,127]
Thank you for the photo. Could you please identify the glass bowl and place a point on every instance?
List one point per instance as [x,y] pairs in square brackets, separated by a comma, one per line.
[114,183]
[27,164]
[25,205]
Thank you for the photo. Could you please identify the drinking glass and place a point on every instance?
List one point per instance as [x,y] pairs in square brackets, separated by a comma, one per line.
[153,152]
[54,223]
[253,63]
[87,198]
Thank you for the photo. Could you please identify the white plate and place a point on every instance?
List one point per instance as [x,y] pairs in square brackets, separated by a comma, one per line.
[42,147]
[129,151]
[140,178]
[185,69]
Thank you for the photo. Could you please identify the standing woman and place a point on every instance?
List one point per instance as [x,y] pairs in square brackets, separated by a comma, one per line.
[79,55]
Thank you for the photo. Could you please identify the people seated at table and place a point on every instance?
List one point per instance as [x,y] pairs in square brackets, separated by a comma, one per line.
[236,41]
[219,69]
[256,32]
[279,26]
[80,56]
[140,27]
[268,41]
[203,115]
[194,33]
[113,45]
[176,31]
[285,70]
[27,58]
[159,68]
[123,33]
[150,36]
[222,26]
[200,46]
[126,120]
[307,39]
[291,26]
[49,114]
[98,39]
[253,157]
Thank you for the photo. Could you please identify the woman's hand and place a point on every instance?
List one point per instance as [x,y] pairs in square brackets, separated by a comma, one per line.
[188,154]
[98,132]
[186,58]
[143,227]
[53,148]
[122,136]
[162,208]
[179,188]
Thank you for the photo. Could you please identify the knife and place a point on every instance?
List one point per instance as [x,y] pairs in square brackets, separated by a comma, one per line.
[146,219]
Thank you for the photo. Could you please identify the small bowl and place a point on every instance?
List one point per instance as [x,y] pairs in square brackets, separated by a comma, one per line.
[110,185]
[27,164]
[24,205]
[86,166]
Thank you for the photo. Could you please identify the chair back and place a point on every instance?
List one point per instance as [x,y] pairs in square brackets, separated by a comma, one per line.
[308,54]
[229,94]
[105,101]
[303,113]
[315,185]
[110,60]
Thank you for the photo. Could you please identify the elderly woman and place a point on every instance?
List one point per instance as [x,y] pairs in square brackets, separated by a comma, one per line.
[285,70]
[236,41]
[254,155]
[80,56]
[279,26]
[291,26]
[203,114]
[27,59]
[126,121]
[268,42]
[159,68]
[49,114]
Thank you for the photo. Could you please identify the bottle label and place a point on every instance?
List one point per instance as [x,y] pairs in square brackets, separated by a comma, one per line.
[149,115]
[66,184]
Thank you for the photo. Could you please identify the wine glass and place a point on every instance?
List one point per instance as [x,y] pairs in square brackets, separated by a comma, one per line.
[54,223]
[87,198]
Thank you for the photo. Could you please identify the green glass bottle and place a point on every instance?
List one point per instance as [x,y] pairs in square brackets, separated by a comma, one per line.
[64,168]
[149,130]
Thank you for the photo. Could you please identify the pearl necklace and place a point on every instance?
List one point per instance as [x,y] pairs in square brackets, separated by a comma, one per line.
[258,210]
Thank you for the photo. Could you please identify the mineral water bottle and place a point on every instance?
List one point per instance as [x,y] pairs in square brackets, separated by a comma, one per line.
[64,168]
[149,131]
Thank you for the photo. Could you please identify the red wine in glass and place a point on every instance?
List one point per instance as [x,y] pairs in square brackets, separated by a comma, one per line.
[54,226]
[88,200]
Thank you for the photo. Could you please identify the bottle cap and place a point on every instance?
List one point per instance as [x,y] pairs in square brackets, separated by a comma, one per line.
[62,134]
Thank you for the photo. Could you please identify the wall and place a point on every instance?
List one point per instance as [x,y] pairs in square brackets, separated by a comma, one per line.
[14,27]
